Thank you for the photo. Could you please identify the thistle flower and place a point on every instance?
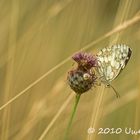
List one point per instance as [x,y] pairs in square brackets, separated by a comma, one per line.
[85,60]
[82,79]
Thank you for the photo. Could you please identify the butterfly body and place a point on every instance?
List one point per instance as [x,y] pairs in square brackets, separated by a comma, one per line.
[111,61]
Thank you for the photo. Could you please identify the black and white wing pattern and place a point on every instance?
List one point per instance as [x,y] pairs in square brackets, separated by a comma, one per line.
[112,60]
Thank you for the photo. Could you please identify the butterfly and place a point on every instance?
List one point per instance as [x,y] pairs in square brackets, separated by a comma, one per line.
[111,61]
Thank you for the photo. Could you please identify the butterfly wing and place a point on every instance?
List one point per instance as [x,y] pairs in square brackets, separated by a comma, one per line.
[112,60]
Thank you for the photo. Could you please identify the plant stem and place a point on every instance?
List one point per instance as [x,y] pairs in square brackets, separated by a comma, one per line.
[72,116]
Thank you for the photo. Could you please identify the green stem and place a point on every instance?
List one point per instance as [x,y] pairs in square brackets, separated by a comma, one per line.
[72,116]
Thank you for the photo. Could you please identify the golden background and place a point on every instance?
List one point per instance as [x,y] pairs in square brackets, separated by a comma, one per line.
[37,40]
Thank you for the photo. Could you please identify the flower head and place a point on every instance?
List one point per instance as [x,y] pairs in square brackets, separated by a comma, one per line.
[80,81]
[82,78]
[85,60]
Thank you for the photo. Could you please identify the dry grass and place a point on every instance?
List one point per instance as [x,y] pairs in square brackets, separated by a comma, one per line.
[37,41]
[97,112]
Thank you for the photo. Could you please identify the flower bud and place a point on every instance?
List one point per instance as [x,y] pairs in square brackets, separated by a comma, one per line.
[80,81]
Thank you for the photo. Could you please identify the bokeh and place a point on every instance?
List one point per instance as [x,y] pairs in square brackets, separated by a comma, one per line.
[37,40]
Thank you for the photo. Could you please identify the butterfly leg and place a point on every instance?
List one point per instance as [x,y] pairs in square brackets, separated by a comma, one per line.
[108,85]
[117,94]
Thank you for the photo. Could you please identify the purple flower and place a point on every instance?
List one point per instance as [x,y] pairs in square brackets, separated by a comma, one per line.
[85,60]
[82,78]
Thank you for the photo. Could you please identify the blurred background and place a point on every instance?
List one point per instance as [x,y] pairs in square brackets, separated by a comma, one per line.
[37,40]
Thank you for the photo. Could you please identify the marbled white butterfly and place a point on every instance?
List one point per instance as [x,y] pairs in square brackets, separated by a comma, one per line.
[111,61]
